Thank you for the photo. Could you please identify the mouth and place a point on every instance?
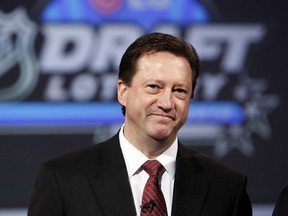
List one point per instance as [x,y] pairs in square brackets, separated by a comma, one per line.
[161,115]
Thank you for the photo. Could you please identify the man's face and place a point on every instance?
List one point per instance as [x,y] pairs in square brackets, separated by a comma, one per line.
[157,101]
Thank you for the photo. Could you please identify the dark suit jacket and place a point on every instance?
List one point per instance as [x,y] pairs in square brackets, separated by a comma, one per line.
[94,182]
[281,207]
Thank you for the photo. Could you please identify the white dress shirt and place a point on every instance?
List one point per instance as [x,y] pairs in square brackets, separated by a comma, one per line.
[134,159]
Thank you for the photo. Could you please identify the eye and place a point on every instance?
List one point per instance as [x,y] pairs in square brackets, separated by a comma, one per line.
[152,88]
[180,93]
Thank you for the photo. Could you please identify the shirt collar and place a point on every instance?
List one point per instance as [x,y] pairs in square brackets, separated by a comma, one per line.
[135,158]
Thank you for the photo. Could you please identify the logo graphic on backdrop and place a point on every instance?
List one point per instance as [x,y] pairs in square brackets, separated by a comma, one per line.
[83,41]
[16,41]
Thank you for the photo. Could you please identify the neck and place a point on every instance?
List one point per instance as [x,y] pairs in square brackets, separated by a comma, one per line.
[148,145]
[153,148]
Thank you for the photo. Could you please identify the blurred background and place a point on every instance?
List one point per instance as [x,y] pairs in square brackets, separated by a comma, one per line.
[59,67]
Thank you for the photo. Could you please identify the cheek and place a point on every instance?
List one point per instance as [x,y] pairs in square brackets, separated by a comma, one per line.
[138,103]
[145,104]
[183,110]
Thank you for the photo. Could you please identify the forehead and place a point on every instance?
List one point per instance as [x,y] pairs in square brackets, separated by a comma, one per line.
[165,64]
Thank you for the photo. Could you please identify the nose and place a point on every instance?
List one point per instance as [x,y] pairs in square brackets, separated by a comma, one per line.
[165,100]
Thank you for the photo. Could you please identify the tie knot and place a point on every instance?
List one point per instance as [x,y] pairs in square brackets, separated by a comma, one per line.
[152,167]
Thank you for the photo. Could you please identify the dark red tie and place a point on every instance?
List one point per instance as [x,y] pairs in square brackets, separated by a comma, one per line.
[153,202]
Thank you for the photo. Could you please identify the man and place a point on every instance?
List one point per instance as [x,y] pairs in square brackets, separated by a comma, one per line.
[157,77]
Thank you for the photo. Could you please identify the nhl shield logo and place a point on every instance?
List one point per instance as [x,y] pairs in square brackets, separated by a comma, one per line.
[17,56]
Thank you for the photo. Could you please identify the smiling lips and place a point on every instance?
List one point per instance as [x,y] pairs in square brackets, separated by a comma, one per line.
[164,115]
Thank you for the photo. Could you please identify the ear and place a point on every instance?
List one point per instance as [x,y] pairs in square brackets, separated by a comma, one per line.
[122,92]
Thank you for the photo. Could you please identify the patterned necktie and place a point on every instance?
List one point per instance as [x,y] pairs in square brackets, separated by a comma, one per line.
[153,202]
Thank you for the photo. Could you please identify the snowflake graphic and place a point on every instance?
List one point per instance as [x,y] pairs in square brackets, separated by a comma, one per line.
[250,94]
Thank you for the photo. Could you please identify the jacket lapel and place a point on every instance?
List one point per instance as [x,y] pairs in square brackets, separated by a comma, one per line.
[111,183]
[112,190]
[191,187]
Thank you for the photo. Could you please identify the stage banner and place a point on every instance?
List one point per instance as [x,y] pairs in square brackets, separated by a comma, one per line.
[59,68]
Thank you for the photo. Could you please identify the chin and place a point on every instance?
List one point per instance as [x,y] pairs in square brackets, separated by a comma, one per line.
[161,135]
[160,138]
[162,132]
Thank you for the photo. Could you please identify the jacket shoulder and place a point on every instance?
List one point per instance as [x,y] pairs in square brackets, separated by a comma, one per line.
[95,154]
[211,167]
